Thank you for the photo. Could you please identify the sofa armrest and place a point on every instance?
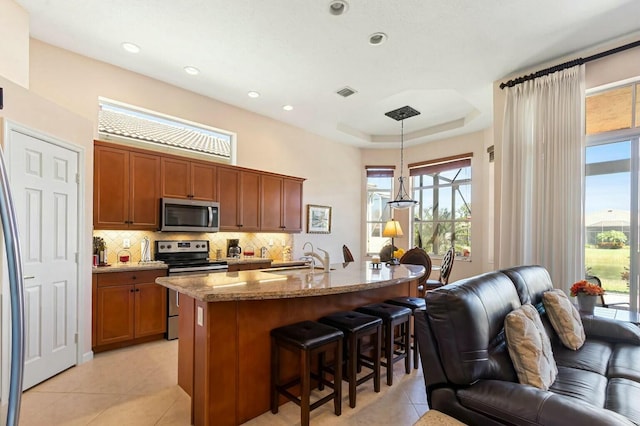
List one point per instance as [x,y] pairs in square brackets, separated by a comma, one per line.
[611,330]
[518,404]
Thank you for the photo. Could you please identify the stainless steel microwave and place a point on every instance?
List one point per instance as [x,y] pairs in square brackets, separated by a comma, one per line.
[189,215]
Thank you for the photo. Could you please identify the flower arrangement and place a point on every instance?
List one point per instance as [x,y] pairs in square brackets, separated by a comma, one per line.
[586,287]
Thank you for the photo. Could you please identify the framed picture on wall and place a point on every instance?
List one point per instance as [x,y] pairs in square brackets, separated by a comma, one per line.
[318,219]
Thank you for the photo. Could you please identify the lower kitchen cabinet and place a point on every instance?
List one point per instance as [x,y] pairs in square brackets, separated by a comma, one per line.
[248,266]
[129,308]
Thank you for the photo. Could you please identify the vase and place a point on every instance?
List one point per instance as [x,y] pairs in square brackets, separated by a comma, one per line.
[586,303]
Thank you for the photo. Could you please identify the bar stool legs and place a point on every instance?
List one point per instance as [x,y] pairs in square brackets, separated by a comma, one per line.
[306,338]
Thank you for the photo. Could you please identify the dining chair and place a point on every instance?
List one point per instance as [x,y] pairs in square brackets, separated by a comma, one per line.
[596,280]
[418,256]
[445,271]
[346,253]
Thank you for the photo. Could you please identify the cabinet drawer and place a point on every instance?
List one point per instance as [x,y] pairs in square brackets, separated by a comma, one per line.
[129,277]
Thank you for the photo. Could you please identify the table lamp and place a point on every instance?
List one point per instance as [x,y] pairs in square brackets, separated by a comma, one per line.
[392,230]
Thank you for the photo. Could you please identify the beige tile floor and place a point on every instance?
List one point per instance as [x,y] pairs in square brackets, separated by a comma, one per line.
[137,386]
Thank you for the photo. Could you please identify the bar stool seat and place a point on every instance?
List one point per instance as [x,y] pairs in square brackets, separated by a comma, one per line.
[412,303]
[355,326]
[306,338]
[392,316]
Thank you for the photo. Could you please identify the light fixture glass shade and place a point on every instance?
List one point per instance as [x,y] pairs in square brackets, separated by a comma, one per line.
[392,229]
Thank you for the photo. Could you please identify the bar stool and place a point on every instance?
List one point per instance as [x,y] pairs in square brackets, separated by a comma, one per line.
[392,316]
[412,303]
[306,338]
[355,326]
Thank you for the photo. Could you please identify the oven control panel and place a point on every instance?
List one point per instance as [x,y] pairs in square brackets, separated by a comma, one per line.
[182,246]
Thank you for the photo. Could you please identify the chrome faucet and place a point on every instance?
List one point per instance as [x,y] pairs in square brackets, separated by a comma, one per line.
[324,260]
[311,260]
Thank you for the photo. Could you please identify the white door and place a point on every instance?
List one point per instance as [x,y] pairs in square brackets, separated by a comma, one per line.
[45,192]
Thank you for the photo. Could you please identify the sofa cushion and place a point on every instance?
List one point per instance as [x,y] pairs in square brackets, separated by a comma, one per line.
[565,318]
[593,356]
[580,384]
[530,282]
[625,362]
[623,397]
[530,348]
[467,321]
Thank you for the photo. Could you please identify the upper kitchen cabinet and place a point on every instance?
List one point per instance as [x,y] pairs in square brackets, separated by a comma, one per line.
[126,188]
[239,197]
[188,179]
[281,200]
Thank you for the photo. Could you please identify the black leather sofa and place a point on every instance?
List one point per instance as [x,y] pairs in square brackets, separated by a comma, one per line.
[469,375]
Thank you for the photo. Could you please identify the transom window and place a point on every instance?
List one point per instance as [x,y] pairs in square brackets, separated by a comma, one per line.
[442,217]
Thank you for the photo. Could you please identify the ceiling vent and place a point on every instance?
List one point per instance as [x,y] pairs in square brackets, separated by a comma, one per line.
[345,92]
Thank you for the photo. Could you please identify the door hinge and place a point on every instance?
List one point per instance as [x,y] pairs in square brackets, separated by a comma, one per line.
[77,177]
[75,338]
[76,256]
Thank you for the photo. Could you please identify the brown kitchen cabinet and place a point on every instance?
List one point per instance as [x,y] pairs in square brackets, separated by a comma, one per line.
[188,179]
[281,201]
[249,266]
[126,189]
[129,308]
[239,197]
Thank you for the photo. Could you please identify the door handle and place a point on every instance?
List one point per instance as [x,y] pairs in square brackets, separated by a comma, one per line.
[30,277]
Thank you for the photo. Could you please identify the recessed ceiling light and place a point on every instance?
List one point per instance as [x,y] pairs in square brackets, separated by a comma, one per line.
[130,47]
[253,94]
[191,70]
[338,7]
[287,107]
[377,38]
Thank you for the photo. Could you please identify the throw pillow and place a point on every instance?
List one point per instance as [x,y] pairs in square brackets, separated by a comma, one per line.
[564,318]
[530,348]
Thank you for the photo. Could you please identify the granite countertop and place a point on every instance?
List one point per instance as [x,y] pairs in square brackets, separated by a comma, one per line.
[263,284]
[128,267]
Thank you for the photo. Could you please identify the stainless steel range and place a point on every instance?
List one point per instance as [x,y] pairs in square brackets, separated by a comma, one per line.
[184,257]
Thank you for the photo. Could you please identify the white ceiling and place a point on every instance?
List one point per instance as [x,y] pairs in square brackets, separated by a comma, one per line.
[441,57]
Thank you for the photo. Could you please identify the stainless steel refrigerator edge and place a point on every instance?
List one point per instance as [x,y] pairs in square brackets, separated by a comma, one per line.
[14,268]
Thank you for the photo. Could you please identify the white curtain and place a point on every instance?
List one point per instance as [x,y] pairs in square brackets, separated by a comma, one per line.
[541,208]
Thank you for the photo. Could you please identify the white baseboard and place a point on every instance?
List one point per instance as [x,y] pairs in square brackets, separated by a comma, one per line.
[87,356]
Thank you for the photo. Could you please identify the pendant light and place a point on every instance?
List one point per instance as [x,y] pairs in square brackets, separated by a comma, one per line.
[402,200]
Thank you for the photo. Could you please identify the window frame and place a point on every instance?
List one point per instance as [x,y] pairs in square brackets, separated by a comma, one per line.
[377,172]
[434,169]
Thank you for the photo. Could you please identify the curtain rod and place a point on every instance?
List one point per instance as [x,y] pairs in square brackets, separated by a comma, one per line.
[569,64]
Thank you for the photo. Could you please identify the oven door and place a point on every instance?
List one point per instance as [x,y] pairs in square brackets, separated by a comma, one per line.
[173,301]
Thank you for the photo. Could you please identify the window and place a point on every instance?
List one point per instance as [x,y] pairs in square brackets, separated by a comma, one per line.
[442,217]
[612,185]
[379,190]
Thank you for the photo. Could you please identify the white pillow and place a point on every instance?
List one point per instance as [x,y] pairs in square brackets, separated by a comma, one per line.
[564,318]
[530,348]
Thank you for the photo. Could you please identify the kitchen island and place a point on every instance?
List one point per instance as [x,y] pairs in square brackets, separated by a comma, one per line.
[225,320]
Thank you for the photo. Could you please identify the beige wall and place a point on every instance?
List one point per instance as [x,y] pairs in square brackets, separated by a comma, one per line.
[331,169]
[26,109]
[475,143]
[14,47]
[610,69]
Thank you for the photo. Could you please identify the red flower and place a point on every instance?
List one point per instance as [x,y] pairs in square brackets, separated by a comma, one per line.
[586,287]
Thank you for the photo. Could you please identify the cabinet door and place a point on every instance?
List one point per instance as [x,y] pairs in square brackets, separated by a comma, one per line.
[271,202]
[150,309]
[228,196]
[250,201]
[115,314]
[176,178]
[292,205]
[110,188]
[203,182]
[145,191]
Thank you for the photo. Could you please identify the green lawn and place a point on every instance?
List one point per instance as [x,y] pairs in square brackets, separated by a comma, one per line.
[607,264]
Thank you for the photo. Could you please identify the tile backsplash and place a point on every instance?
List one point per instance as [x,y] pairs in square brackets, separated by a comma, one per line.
[274,243]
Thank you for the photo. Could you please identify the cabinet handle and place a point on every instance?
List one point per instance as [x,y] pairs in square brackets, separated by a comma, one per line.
[131,291]
[30,277]
[137,289]
[134,277]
